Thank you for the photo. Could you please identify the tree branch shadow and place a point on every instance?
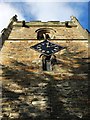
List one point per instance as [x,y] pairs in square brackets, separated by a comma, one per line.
[32,84]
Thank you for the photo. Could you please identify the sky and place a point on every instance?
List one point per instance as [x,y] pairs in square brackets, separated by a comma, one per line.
[44,10]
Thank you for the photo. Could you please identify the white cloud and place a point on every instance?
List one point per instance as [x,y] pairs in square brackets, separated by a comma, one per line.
[53,11]
[6,12]
[44,11]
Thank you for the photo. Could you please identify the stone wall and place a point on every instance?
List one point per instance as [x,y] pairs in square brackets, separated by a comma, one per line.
[20,51]
[61,33]
[30,93]
[64,30]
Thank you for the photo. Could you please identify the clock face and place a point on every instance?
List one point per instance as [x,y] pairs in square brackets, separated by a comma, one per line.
[47,47]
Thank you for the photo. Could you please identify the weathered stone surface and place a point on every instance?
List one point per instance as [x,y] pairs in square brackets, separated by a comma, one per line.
[61,32]
[33,94]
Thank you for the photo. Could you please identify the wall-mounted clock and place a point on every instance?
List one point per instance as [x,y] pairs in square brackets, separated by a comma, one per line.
[47,48]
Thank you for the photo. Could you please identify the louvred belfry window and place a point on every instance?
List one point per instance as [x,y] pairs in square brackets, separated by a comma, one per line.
[45,33]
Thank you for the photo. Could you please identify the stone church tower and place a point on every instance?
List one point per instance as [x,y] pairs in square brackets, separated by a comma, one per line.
[30,93]
[20,35]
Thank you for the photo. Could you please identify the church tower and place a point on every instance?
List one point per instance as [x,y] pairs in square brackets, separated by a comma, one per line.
[35,89]
[19,36]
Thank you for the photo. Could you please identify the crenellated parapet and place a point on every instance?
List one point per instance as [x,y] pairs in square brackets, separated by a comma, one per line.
[37,30]
[63,30]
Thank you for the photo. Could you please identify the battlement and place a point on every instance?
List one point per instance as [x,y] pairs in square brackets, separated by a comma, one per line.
[37,30]
[48,23]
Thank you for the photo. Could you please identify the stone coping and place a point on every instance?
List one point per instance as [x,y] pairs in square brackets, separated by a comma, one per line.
[48,23]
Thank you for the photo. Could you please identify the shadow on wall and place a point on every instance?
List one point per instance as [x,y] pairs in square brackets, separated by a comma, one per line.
[1,42]
[75,61]
[4,36]
[38,96]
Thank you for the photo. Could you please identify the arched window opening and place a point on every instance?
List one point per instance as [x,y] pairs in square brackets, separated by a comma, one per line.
[45,33]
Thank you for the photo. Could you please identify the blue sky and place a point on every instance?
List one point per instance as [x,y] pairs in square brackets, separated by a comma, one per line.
[44,11]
